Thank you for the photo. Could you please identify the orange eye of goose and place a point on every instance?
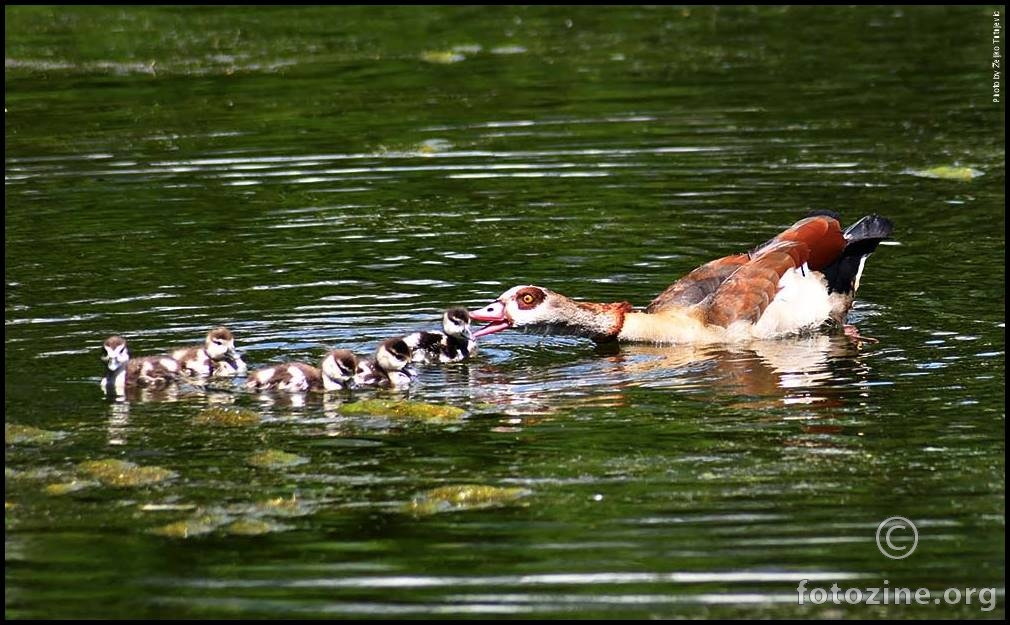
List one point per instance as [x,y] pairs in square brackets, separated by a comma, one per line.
[527,299]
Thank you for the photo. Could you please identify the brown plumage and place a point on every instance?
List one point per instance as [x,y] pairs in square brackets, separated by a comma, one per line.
[822,236]
[820,242]
[746,293]
[699,284]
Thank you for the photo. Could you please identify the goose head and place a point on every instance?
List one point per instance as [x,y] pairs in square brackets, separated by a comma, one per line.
[520,306]
[529,308]
[535,309]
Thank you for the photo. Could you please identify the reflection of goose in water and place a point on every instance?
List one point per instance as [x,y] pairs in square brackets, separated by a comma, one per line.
[119,421]
[117,426]
[787,369]
[795,370]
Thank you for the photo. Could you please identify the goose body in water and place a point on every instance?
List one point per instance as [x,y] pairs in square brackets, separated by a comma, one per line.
[804,278]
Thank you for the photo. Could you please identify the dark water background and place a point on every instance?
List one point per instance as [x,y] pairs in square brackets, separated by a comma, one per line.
[324,177]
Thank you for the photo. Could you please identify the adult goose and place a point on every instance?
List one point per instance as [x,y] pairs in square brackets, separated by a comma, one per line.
[797,282]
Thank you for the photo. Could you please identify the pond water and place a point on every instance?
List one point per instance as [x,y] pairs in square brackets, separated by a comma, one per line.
[333,176]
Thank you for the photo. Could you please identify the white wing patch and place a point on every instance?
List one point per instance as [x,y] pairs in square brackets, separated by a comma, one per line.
[859,272]
[801,303]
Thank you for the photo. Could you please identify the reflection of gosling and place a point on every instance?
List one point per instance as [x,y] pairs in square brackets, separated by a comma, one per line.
[453,344]
[216,357]
[389,368]
[336,372]
[123,371]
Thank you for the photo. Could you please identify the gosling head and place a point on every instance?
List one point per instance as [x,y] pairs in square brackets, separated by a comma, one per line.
[114,353]
[339,368]
[393,355]
[456,323]
[220,344]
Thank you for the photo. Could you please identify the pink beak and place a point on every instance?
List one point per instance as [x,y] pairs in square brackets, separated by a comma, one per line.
[494,313]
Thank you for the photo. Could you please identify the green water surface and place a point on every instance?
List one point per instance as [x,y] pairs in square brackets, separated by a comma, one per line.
[322,177]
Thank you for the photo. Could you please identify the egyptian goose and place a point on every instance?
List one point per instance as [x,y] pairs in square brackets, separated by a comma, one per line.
[803,278]
[123,372]
[216,357]
[390,367]
[335,373]
[452,344]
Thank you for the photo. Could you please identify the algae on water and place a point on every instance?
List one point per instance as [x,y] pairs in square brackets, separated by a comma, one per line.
[193,526]
[275,459]
[65,488]
[947,172]
[404,409]
[17,434]
[252,527]
[120,473]
[226,417]
[465,497]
